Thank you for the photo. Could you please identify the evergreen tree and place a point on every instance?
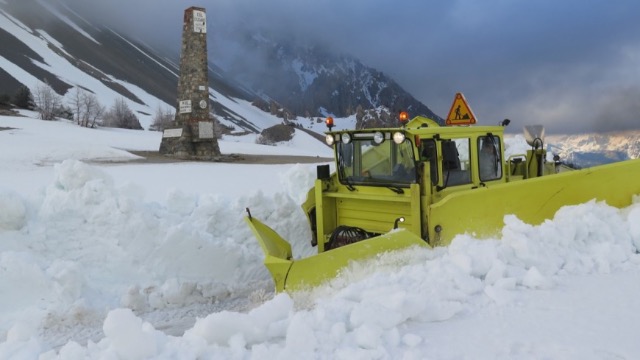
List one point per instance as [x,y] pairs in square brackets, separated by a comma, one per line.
[24,99]
[5,100]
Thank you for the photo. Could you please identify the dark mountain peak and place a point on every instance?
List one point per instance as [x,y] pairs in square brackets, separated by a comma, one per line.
[311,80]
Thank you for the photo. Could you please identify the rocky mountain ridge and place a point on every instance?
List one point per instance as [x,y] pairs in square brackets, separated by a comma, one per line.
[312,81]
[306,82]
[586,150]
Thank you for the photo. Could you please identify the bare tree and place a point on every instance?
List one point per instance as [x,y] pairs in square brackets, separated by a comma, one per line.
[91,110]
[163,118]
[88,109]
[97,115]
[47,101]
[121,116]
[76,103]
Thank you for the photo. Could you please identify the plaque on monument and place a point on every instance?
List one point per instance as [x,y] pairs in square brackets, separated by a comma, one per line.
[169,133]
[205,129]
[185,106]
[199,22]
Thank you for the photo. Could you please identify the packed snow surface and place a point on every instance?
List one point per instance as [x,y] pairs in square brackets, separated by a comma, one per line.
[103,259]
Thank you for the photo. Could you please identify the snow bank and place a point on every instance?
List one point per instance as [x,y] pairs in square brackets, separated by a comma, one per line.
[84,245]
[14,211]
[174,253]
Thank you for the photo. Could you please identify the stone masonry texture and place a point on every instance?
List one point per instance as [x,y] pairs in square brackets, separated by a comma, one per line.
[196,140]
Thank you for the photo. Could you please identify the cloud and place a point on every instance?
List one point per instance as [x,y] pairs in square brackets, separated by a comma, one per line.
[566,64]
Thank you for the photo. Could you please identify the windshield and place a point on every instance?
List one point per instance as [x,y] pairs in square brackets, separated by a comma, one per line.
[363,162]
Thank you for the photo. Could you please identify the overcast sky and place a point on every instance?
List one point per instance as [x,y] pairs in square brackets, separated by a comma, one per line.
[571,65]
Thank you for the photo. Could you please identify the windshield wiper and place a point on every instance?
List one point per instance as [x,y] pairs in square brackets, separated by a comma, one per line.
[396,189]
[349,184]
[347,179]
[446,181]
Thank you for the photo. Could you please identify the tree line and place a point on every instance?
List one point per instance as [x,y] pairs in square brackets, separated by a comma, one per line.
[83,107]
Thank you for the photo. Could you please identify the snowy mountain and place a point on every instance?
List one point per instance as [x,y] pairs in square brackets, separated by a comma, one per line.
[49,41]
[585,150]
[312,81]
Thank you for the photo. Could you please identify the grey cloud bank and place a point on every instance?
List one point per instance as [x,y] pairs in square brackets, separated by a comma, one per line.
[572,66]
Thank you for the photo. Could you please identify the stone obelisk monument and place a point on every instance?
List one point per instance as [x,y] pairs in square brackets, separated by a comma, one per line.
[192,135]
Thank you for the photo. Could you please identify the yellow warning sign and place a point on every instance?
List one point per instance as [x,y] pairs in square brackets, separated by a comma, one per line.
[460,113]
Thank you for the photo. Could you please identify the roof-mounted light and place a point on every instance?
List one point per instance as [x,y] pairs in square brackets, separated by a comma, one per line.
[329,122]
[346,138]
[398,137]
[403,117]
[378,137]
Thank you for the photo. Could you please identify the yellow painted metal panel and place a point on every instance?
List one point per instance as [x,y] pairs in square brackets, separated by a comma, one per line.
[481,211]
[278,256]
[318,269]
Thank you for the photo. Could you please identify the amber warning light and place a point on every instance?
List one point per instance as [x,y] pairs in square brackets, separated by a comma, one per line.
[329,122]
[404,117]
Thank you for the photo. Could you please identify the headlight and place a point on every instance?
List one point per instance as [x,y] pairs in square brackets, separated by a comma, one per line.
[378,137]
[398,138]
[346,138]
[329,139]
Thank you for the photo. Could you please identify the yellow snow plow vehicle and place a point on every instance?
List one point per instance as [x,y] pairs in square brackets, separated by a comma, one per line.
[422,184]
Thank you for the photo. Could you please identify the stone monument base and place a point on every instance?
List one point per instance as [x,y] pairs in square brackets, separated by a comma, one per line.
[191,141]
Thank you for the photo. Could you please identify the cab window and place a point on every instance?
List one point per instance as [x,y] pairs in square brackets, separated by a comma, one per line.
[365,162]
[489,162]
[429,152]
[455,162]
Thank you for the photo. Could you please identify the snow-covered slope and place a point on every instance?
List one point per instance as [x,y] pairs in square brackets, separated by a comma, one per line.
[63,71]
[49,40]
[59,46]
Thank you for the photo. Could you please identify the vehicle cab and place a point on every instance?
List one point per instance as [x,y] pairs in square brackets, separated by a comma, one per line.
[389,177]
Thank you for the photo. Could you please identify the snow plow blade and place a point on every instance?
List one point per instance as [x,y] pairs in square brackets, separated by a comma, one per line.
[278,257]
[303,274]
